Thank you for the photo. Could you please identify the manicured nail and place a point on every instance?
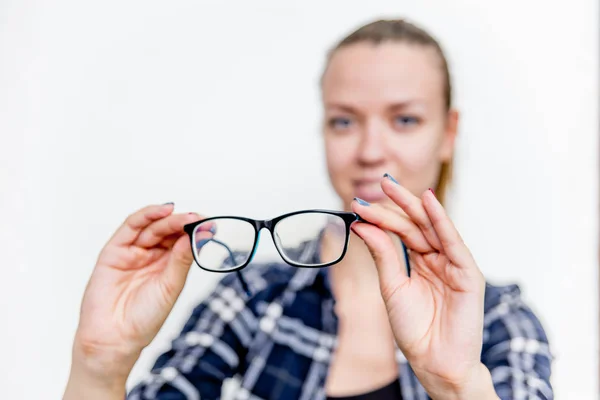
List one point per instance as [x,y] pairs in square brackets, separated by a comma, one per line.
[391,178]
[362,202]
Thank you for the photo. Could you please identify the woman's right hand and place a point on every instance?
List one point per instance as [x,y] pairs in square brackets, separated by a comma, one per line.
[138,276]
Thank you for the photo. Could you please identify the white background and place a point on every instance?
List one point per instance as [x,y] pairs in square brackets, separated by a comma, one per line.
[108,106]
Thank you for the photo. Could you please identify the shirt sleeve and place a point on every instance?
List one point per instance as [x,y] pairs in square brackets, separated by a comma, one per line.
[211,348]
[516,349]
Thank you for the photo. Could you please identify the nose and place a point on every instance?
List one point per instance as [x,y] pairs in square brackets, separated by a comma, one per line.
[372,146]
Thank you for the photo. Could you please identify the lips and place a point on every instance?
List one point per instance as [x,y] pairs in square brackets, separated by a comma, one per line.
[368,189]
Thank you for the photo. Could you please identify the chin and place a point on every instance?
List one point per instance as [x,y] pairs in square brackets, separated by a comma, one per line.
[346,202]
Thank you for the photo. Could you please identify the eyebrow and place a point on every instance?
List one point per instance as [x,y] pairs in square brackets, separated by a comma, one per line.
[406,104]
[394,106]
[342,107]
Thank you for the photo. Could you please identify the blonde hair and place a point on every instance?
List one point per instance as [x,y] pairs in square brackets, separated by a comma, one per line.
[400,30]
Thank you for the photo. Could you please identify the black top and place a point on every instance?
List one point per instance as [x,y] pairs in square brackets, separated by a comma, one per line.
[388,392]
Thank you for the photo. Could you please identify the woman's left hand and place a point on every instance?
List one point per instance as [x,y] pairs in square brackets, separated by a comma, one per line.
[436,314]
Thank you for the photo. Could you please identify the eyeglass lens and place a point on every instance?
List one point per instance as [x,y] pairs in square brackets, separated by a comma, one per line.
[224,244]
[291,232]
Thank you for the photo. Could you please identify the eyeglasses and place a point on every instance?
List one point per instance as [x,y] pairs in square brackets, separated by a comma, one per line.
[228,243]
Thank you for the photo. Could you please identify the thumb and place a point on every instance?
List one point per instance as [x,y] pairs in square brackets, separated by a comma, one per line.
[391,270]
[180,260]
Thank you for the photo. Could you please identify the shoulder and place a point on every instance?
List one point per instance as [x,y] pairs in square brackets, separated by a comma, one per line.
[515,345]
[496,295]
[504,307]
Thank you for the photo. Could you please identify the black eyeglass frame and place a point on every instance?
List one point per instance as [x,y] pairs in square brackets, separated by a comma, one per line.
[348,217]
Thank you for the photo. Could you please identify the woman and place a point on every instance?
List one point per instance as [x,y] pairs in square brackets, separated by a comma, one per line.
[360,329]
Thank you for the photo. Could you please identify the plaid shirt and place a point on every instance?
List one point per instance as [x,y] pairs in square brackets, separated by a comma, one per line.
[280,341]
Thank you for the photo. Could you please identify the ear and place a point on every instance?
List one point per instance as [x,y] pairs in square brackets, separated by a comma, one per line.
[450,132]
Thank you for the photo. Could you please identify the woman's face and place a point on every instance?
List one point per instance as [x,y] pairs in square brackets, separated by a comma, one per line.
[384,110]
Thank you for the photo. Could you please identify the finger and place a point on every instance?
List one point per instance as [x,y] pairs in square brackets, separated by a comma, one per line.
[130,257]
[157,231]
[413,207]
[169,241]
[391,270]
[135,223]
[392,221]
[394,208]
[201,238]
[180,260]
[452,244]
[208,226]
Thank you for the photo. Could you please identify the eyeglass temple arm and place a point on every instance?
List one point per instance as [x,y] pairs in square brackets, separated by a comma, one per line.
[361,219]
[232,258]
[243,282]
[406,258]
[204,241]
[404,248]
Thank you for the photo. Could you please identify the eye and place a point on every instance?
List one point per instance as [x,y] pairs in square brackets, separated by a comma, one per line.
[340,123]
[404,121]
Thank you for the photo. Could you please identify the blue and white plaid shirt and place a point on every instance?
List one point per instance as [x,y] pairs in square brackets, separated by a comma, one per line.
[280,341]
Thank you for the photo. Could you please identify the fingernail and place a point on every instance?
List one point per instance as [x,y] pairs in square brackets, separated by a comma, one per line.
[391,178]
[430,189]
[170,203]
[362,202]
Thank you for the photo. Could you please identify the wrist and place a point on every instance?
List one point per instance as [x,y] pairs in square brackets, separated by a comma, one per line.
[478,385]
[98,375]
[101,365]
[83,385]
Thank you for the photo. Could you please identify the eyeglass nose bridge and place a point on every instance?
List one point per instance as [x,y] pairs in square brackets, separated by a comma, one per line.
[260,225]
[266,224]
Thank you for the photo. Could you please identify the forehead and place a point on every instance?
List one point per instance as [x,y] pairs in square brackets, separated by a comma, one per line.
[365,74]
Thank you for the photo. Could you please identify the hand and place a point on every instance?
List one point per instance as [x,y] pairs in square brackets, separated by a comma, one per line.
[436,314]
[137,279]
